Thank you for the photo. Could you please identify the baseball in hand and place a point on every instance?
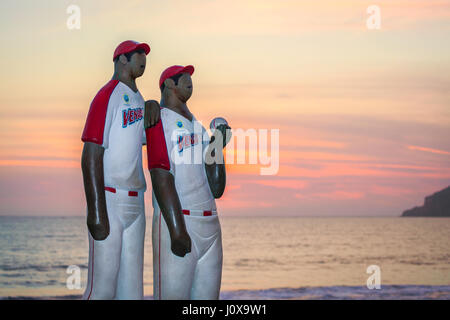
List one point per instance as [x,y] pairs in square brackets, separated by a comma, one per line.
[216,122]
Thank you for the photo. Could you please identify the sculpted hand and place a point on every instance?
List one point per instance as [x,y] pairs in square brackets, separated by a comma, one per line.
[152,113]
[181,243]
[221,132]
[99,229]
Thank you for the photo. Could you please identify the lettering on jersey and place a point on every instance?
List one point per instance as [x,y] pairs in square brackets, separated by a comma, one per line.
[132,115]
[187,140]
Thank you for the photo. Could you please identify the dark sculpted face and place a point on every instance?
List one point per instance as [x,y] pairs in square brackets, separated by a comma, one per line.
[184,88]
[137,64]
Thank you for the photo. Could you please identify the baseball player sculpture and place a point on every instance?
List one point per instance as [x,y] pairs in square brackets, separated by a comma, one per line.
[186,233]
[114,181]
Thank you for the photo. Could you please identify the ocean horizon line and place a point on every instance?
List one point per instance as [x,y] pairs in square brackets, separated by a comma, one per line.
[228,216]
[385,292]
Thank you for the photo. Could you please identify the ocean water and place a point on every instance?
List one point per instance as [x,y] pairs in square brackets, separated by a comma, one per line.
[264,257]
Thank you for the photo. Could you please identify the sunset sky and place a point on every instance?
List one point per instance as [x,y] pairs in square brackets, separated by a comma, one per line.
[363,115]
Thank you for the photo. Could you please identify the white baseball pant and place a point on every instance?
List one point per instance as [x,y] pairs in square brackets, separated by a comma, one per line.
[198,274]
[116,263]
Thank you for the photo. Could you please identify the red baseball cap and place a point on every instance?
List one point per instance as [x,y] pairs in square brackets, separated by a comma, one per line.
[128,46]
[174,70]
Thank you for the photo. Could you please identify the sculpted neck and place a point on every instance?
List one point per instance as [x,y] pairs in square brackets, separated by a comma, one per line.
[171,101]
[126,78]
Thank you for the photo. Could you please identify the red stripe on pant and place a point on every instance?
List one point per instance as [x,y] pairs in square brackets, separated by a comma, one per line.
[205,213]
[113,190]
[92,275]
[130,193]
[159,256]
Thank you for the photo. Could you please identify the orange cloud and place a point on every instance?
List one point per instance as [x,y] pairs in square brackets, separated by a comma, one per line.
[289,184]
[344,169]
[428,150]
[41,163]
[233,203]
[335,195]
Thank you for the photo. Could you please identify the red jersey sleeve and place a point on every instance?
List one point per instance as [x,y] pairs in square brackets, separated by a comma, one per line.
[94,128]
[157,153]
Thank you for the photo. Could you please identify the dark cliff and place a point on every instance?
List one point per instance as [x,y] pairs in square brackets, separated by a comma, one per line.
[436,205]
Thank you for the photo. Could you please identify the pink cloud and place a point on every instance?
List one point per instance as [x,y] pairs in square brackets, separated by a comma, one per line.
[390,191]
[429,150]
[41,163]
[334,195]
[289,184]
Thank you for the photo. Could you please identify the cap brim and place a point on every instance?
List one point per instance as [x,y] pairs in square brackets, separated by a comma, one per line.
[144,46]
[189,69]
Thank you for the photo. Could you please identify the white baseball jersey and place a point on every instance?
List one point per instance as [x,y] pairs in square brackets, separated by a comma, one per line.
[116,122]
[176,144]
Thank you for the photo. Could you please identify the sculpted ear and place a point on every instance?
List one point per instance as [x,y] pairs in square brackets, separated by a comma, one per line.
[123,59]
[169,83]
